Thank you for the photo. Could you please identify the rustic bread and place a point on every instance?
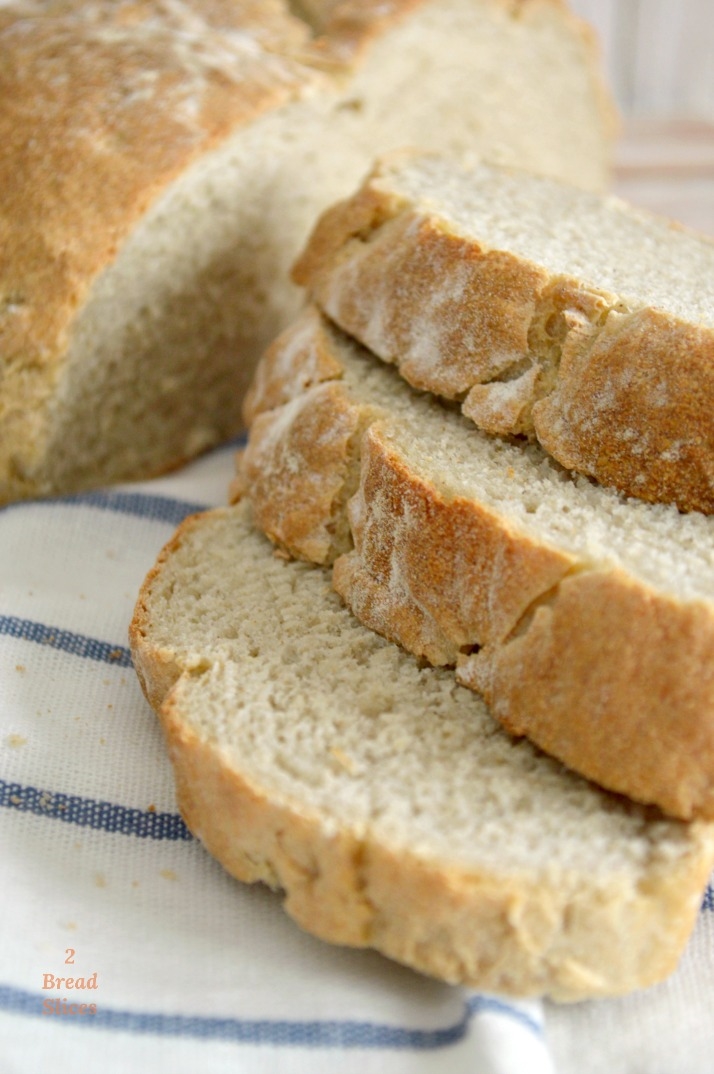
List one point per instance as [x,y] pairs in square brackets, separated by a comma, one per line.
[163,163]
[544,310]
[587,620]
[382,798]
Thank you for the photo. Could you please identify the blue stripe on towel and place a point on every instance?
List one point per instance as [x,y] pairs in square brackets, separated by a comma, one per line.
[141,505]
[481,1004]
[90,813]
[65,640]
[277,1032]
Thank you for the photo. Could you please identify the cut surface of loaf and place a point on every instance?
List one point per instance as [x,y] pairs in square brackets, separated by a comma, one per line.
[313,755]
[171,160]
[586,619]
[543,309]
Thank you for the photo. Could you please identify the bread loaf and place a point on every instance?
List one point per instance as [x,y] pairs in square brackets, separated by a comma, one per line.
[586,619]
[546,311]
[162,164]
[382,798]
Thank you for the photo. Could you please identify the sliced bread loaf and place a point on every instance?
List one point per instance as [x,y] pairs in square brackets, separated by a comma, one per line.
[587,620]
[543,309]
[382,798]
[162,164]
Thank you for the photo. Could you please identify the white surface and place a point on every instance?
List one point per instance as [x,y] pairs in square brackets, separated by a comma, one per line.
[658,53]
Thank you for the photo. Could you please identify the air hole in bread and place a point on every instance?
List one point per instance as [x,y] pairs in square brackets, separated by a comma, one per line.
[354,104]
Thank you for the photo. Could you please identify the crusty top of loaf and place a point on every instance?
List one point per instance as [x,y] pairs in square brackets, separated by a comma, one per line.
[101,104]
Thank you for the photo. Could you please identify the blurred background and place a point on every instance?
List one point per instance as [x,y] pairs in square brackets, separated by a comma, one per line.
[659,54]
[659,58]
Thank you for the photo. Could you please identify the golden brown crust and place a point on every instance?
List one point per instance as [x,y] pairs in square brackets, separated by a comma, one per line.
[299,358]
[295,471]
[623,396]
[356,217]
[638,719]
[425,569]
[301,463]
[475,927]
[634,410]
[363,284]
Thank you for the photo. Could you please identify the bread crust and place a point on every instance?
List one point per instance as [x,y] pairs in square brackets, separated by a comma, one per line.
[604,672]
[425,569]
[634,410]
[622,395]
[638,719]
[298,359]
[159,668]
[301,507]
[487,928]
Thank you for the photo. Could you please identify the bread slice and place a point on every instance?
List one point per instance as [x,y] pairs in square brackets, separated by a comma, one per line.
[587,620]
[542,309]
[383,799]
[162,165]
